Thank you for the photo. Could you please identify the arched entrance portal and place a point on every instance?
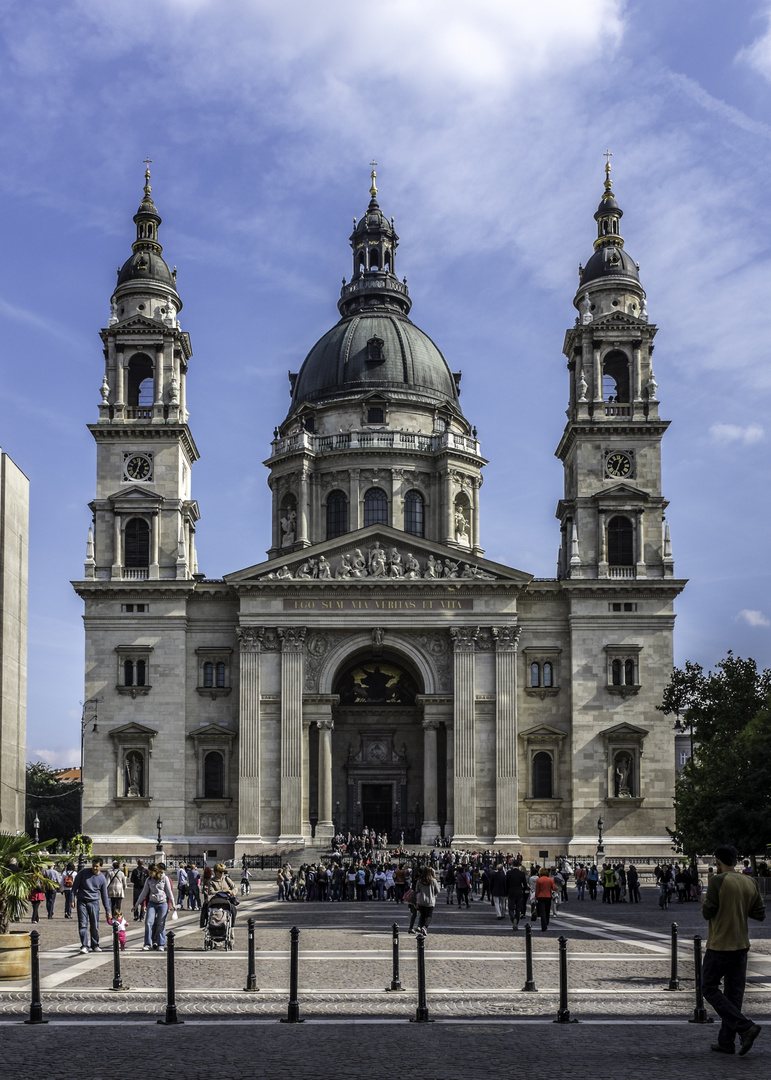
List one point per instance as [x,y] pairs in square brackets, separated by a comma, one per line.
[378,751]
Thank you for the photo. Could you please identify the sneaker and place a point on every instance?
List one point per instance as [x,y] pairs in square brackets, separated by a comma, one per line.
[410,931]
[161,948]
[146,948]
[95,948]
[747,1038]
[84,950]
[721,1049]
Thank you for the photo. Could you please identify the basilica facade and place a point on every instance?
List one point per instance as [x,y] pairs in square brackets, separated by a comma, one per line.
[377,669]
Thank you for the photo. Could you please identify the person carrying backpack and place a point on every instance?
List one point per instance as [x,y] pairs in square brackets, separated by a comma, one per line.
[68,879]
[138,877]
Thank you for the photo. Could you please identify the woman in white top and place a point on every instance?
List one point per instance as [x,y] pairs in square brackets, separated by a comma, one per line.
[159,895]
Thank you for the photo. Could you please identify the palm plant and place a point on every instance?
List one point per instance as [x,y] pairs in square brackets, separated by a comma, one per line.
[22,862]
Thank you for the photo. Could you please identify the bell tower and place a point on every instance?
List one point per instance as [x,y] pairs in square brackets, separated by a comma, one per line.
[143,515]
[612,512]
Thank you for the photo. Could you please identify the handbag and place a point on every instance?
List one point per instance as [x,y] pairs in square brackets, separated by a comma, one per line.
[174,915]
[409,895]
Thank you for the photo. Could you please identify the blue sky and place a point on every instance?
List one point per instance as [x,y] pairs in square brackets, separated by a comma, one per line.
[488,121]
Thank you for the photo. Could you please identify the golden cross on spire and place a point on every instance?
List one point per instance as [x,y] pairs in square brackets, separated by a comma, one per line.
[373,175]
[148,162]
[607,155]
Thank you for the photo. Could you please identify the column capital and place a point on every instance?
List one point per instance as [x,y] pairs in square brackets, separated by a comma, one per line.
[506,638]
[464,638]
[430,725]
[325,725]
[249,638]
[292,638]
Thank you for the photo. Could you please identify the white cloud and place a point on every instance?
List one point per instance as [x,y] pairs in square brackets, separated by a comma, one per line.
[59,758]
[734,433]
[753,618]
[758,55]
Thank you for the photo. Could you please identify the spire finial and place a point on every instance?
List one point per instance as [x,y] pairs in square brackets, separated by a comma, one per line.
[148,162]
[373,177]
[608,182]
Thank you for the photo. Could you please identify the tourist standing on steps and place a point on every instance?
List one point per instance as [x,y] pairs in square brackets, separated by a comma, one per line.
[731,899]
[138,877]
[88,888]
[498,890]
[516,886]
[544,887]
[158,893]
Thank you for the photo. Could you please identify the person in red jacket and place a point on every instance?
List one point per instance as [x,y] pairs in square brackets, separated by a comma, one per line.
[544,887]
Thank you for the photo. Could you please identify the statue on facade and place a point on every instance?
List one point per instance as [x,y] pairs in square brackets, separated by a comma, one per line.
[461,525]
[133,767]
[395,564]
[324,569]
[377,561]
[430,571]
[623,768]
[288,526]
[358,564]
[411,567]
[344,570]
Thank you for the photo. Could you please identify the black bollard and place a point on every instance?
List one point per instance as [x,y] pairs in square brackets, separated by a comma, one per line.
[171,989]
[674,982]
[421,1013]
[529,987]
[293,1011]
[395,981]
[117,981]
[35,1005]
[563,1013]
[251,977]
[699,1013]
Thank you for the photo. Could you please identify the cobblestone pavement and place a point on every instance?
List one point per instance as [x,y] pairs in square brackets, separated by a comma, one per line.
[619,958]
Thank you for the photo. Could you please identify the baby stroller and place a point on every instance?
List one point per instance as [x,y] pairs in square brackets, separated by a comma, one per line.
[218,928]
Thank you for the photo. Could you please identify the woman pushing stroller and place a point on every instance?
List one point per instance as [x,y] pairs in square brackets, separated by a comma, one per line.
[221,886]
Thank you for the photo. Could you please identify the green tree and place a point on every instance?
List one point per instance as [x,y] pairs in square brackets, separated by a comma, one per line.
[723,794]
[56,803]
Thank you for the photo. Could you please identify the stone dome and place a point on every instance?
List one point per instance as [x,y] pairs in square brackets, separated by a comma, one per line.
[376,350]
[609,262]
[146,266]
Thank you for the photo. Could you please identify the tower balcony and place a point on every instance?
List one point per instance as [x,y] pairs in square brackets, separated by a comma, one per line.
[374,440]
[622,572]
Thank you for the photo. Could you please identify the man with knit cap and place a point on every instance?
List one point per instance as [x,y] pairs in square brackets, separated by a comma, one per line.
[731,899]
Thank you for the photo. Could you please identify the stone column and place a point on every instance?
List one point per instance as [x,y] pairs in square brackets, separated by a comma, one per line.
[324,826]
[597,379]
[637,406]
[302,509]
[602,545]
[642,570]
[158,384]
[292,648]
[477,483]
[306,776]
[449,825]
[117,552]
[354,501]
[449,511]
[154,571]
[506,788]
[430,826]
[464,644]
[249,641]
[119,389]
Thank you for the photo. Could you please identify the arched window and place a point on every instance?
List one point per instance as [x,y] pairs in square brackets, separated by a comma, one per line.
[128,672]
[337,514]
[615,377]
[213,776]
[414,513]
[137,543]
[375,507]
[616,670]
[221,674]
[620,542]
[543,780]
[548,679]
[140,380]
[535,675]
[141,672]
[629,679]
[208,673]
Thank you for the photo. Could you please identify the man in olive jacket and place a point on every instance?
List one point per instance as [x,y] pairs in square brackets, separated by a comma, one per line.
[731,899]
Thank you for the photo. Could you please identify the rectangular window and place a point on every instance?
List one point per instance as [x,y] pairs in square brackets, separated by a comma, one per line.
[129,609]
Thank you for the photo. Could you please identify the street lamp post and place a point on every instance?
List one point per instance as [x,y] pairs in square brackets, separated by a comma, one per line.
[600,848]
[159,824]
[36,827]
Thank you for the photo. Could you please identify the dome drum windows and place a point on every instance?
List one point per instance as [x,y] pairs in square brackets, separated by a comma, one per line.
[133,669]
[541,671]
[214,672]
[414,513]
[337,514]
[375,507]
[374,409]
[623,669]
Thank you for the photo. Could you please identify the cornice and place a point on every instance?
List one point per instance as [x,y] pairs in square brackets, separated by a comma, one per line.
[132,430]
[644,429]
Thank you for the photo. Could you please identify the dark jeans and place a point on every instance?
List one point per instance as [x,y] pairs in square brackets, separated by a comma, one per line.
[50,901]
[88,919]
[544,910]
[67,903]
[731,967]
[463,897]
[516,907]
[424,916]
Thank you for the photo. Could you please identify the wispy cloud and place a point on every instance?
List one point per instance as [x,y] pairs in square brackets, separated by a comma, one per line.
[753,618]
[735,433]
[58,758]
[32,318]
[757,56]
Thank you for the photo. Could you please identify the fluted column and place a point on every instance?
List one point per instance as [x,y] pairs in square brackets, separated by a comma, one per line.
[430,826]
[302,509]
[449,825]
[292,647]
[305,758]
[448,511]
[117,549]
[325,826]
[464,643]
[249,641]
[506,793]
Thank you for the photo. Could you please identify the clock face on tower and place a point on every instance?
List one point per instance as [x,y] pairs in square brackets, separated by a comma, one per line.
[618,465]
[138,467]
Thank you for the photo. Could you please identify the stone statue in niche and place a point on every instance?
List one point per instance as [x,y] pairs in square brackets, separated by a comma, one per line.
[288,527]
[461,525]
[623,771]
[134,766]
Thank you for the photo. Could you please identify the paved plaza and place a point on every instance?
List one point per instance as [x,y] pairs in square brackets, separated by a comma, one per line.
[619,968]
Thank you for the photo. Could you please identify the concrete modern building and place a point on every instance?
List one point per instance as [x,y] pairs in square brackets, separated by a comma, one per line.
[14,556]
[376,669]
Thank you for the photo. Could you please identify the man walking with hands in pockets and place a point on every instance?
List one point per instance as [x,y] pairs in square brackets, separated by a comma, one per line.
[731,899]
